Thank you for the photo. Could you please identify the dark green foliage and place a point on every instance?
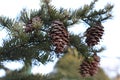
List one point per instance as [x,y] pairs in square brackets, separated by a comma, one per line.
[77,42]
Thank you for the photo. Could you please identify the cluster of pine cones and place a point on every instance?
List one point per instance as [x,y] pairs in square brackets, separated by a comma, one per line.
[31,25]
[59,36]
[58,33]
[90,66]
[94,34]
[60,40]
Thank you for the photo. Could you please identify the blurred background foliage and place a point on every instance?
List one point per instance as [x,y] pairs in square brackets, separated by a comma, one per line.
[67,68]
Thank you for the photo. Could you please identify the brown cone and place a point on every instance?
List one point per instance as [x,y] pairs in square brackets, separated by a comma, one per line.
[88,67]
[59,36]
[93,35]
[30,25]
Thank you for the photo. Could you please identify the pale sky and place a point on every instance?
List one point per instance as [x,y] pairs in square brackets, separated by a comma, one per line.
[111,39]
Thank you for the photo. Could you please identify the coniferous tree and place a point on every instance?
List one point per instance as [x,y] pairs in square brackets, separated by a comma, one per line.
[39,35]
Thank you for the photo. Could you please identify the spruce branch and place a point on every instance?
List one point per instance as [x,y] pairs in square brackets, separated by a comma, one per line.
[24,16]
[92,4]
[83,11]
[90,15]
[6,22]
[98,16]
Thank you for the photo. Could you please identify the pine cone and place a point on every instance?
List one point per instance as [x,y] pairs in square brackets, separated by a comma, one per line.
[94,34]
[36,21]
[59,36]
[88,67]
[31,25]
